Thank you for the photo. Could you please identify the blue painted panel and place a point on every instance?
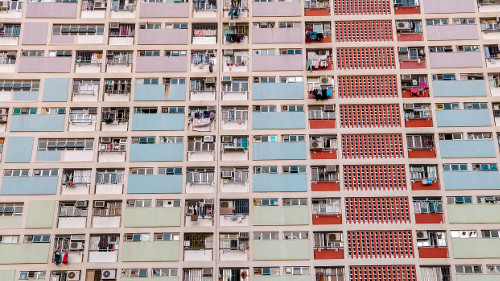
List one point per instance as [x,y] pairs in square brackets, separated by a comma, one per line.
[471,180]
[28,185]
[459,88]
[278,120]
[55,89]
[279,182]
[156,152]
[279,151]
[463,118]
[154,184]
[159,92]
[48,156]
[467,148]
[19,149]
[158,122]
[26,95]
[37,123]
[278,91]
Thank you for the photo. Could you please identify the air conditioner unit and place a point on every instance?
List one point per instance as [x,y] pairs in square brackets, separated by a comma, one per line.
[210,80]
[258,203]
[3,119]
[331,168]
[208,139]
[226,139]
[114,25]
[227,174]
[406,77]
[288,270]
[105,140]
[409,106]
[81,204]
[108,274]
[3,111]
[73,275]
[286,169]
[36,172]
[99,5]
[325,81]
[328,108]
[243,235]
[422,235]
[317,145]
[75,246]
[99,204]
[228,52]
[333,236]
[403,25]
[170,203]
[11,54]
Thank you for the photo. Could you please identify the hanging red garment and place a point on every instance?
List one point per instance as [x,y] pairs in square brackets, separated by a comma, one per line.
[65,258]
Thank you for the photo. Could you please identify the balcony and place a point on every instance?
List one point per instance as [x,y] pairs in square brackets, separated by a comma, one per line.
[278,250]
[433,252]
[150,251]
[278,120]
[276,35]
[160,92]
[285,182]
[161,64]
[29,253]
[58,10]
[278,91]
[456,59]
[11,9]
[276,9]
[45,64]
[471,180]
[277,63]
[164,10]
[148,184]
[473,213]
[463,118]
[459,88]
[467,148]
[476,248]
[162,36]
[279,151]
[158,122]
[452,32]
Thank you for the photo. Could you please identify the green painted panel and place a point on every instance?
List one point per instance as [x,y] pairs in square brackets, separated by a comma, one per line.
[11,222]
[280,215]
[264,250]
[152,217]
[478,277]
[150,251]
[149,279]
[24,253]
[469,213]
[7,275]
[282,278]
[476,248]
[40,214]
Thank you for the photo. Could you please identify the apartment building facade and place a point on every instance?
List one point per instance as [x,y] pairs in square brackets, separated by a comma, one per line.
[175,140]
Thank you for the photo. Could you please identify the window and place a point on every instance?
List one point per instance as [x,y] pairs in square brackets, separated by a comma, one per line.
[289,25]
[46,173]
[166,236]
[32,53]
[143,140]
[428,205]
[135,272]
[172,109]
[265,138]
[82,29]
[65,144]
[32,275]
[165,272]
[265,235]
[144,203]
[16,111]
[437,22]
[110,176]
[270,52]
[484,167]
[264,80]
[176,26]
[265,170]
[168,203]
[464,21]
[443,77]
[294,202]
[266,270]
[169,171]
[455,167]
[488,200]
[326,205]
[292,108]
[9,239]
[19,85]
[493,269]
[463,234]
[174,81]
[11,209]
[452,136]
[297,79]
[475,105]
[16,173]
[290,51]
[293,138]
[445,49]
[136,237]
[468,48]
[295,235]
[420,141]
[175,53]
[265,202]
[146,110]
[141,171]
[490,233]
[296,270]
[73,209]
[37,239]
[150,25]
[459,200]
[264,108]
[479,136]
[465,269]
[294,169]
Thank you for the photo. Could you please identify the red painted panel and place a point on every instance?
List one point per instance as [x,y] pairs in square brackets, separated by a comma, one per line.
[411,64]
[429,218]
[322,124]
[317,12]
[331,154]
[418,122]
[325,186]
[422,94]
[406,10]
[327,219]
[410,37]
[421,153]
[433,252]
[328,254]
[418,185]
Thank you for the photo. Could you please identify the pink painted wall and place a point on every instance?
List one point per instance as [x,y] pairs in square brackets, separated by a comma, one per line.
[161,64]
[45,64]
[277,63]
[163,10]
[277,35]
[456,59]
[162,36]
[276,9]
[62,39]
[452,32]
[35,33]
[449,6]
[51,10]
